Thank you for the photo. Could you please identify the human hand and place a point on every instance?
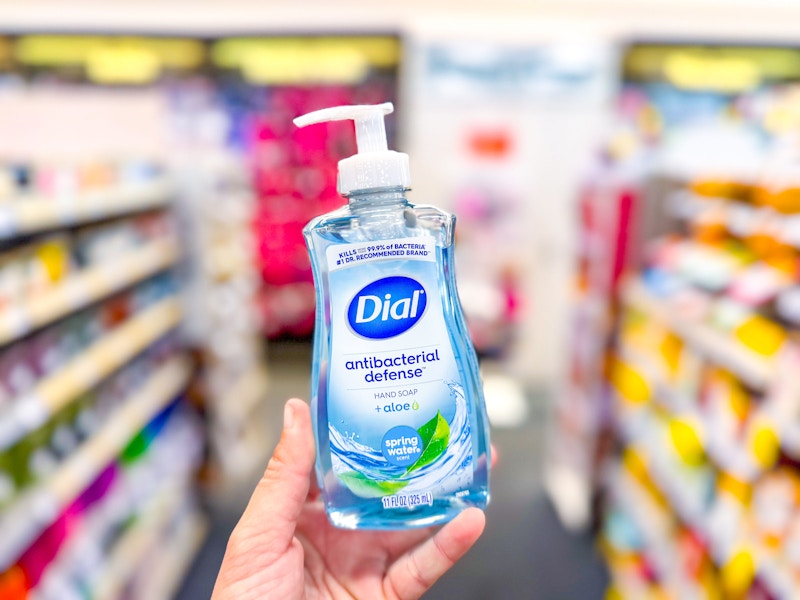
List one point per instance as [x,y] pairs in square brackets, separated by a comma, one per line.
[285,548]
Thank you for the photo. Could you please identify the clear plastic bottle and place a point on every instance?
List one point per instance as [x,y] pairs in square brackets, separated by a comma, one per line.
[400,421]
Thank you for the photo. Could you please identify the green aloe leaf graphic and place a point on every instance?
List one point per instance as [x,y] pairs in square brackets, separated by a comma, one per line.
[367,488]
[435,435]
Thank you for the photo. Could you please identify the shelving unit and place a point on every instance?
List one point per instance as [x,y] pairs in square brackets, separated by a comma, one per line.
[223,320]
[753,368]
[181,545]
[131,549]
[83,372]
[723,548]
[771,377]
[739,218]
[37,507]
[117,368]
[136,564]
[701,388]
[86,288]
[33,213]
[681,449]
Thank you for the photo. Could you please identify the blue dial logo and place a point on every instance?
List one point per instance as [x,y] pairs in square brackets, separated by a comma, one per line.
[387,307]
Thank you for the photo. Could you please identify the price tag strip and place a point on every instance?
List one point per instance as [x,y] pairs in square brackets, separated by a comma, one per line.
[35,213]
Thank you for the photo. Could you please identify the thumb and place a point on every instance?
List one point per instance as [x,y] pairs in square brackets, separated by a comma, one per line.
[270,518]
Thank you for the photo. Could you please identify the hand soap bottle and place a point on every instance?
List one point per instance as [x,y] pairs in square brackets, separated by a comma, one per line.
[399,416]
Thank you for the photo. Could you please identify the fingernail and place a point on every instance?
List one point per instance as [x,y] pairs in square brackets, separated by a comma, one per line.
[288,415]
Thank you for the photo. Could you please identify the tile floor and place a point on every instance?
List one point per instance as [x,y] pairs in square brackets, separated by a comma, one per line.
[524,553]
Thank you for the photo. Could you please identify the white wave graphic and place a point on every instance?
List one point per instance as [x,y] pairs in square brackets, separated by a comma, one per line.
[451,471]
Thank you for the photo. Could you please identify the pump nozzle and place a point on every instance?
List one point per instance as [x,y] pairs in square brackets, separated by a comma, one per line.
[375,166]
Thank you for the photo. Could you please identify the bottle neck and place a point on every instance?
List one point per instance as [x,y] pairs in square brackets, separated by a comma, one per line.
[368,201]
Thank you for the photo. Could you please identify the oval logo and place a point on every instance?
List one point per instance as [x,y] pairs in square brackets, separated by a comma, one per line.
[387,307]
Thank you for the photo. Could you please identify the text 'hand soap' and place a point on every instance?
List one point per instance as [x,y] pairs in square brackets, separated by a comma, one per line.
[399,416]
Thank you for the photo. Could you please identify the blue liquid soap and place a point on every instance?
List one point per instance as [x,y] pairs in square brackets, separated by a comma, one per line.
[399,415]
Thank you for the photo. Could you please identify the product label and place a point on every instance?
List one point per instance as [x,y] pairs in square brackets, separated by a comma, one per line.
[397,414]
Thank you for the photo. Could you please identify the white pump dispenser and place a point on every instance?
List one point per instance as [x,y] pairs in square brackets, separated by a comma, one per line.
[375,166]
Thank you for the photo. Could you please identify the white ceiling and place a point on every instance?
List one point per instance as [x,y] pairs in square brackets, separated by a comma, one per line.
[755,20]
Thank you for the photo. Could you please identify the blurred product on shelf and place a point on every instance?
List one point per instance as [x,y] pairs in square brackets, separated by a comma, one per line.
[294,173]
[62,181]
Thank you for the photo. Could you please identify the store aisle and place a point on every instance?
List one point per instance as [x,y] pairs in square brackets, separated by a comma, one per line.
[524,553]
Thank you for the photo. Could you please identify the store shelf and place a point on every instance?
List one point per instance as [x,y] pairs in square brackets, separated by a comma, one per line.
[31,214]
[85,288]
[652,522]
[87,369]
[740,219]
[730,455]
[752,368]
[131,550]
[687,509]
[182,546]
[776,575]
[37,508]
[244,396]
[245,455]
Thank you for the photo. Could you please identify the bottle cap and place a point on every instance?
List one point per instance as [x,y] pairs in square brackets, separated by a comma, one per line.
[375,166]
